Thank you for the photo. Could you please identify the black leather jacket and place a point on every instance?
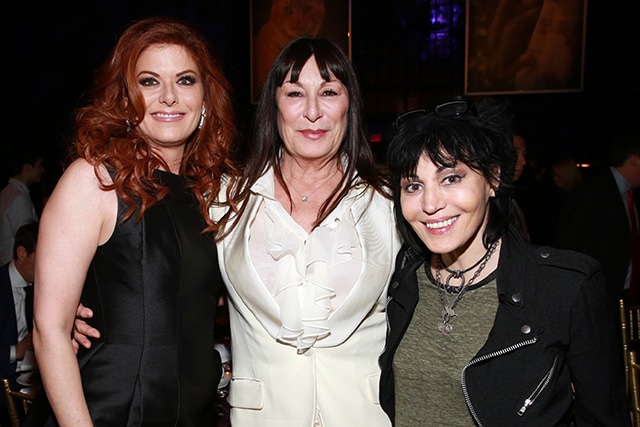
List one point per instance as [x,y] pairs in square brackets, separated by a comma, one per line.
[554,328]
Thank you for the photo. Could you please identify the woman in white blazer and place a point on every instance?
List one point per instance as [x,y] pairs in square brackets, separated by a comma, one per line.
[309,251]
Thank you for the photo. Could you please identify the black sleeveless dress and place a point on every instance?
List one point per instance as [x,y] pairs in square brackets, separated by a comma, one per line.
[153,288]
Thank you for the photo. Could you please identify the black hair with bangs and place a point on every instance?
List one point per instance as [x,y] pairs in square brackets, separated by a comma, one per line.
[265,146]
[480,137]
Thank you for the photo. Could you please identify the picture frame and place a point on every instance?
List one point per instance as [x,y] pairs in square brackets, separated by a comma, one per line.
[274,23]
[524,46]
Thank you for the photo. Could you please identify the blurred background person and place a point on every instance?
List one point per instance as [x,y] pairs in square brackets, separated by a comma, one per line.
[16,306]
[566,174]
[598,218]
[520,145]
[16,205]
[536,197]
[519,219]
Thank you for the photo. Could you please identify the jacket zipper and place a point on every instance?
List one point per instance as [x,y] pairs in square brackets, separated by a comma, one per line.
[481,359]
[543,384]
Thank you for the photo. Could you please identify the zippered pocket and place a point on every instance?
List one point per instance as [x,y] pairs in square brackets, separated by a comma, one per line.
[482,358]
[528,402]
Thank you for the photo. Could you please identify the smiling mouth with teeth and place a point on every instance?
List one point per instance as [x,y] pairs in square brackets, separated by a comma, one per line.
[167,116]
[441,224]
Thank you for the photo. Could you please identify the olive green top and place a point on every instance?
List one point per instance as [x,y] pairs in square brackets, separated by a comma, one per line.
[428,365]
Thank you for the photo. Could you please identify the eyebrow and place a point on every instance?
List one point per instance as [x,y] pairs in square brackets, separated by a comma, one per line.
[181,73]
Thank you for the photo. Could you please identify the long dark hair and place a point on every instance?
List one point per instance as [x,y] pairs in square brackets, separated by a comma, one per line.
[266,144]
[480,136]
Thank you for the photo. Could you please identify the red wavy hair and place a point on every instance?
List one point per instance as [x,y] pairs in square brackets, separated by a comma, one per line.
[106,129]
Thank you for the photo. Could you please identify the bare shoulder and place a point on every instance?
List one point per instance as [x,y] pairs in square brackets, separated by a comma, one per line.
[82,170]
[79,199]
[79,181]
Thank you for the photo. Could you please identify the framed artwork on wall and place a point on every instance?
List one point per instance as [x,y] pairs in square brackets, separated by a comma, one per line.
[276,22]
[525,46]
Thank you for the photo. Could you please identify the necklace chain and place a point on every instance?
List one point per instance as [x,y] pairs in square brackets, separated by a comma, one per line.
[443,289]
[303,197]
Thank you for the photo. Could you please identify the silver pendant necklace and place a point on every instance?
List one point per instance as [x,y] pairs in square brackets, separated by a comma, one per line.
[303,197]
[443,289]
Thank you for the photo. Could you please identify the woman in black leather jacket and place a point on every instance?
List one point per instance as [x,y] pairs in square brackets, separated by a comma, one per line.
[486,329]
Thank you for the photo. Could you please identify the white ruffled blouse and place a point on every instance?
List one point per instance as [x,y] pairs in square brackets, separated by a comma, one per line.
[308,275]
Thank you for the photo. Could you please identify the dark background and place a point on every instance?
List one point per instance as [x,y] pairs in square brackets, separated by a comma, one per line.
[50,49]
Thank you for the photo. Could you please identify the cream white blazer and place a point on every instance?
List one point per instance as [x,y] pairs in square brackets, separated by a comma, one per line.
[335,383]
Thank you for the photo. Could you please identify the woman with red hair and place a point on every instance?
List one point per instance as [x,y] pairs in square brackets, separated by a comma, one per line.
[127,232]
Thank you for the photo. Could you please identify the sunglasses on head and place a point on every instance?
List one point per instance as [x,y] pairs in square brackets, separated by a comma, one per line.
[457,108]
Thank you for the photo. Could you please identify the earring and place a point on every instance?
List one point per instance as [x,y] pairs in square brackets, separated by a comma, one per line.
[129,126]
[203,114]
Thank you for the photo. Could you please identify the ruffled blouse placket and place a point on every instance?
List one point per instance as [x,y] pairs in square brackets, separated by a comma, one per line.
[304,280]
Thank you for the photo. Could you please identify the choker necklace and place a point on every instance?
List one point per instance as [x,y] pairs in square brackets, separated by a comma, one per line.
[305,198]
[443,289]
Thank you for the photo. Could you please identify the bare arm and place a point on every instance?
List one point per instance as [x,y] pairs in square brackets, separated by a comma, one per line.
[77,218]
